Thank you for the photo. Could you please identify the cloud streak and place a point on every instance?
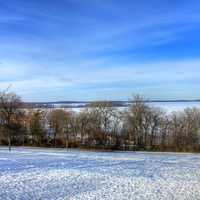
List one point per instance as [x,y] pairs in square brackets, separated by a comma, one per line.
[130,78]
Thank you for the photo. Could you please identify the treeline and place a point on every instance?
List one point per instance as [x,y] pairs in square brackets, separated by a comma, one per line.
[99,126]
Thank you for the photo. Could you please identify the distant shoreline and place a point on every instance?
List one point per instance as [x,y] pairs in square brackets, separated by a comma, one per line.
[83,104]
[114,101]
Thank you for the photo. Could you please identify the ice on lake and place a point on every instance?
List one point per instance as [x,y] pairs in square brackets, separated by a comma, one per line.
[47,174]
[176,106]
[166,106]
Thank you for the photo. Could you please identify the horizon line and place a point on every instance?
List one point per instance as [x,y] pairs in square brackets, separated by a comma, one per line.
[90,101]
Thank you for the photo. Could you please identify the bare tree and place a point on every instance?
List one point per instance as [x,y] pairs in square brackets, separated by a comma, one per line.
[37,126]
[143,123]
[9,109]
[59,122]
[137,121]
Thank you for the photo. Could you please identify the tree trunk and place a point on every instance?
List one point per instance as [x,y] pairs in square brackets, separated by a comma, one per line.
[9,141]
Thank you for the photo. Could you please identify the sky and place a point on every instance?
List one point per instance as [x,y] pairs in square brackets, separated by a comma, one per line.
[100,49]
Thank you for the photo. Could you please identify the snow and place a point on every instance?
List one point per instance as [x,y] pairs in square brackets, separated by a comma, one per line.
[166,106]
[58,174]
[175,106]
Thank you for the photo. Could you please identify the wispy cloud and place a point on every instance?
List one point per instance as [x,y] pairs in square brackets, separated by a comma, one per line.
[130,78]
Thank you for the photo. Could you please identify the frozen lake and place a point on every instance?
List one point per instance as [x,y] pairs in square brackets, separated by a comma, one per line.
[167,106]
[176,106]
[48,174]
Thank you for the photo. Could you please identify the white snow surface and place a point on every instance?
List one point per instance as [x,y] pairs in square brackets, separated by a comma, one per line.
[55,174]
[166,106]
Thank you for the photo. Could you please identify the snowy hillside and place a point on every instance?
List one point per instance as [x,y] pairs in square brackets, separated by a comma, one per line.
[46,174]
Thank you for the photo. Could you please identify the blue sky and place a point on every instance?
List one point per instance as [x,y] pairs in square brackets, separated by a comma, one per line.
[100,49]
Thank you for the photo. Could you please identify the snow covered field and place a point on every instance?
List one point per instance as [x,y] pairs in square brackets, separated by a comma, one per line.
[47,174]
